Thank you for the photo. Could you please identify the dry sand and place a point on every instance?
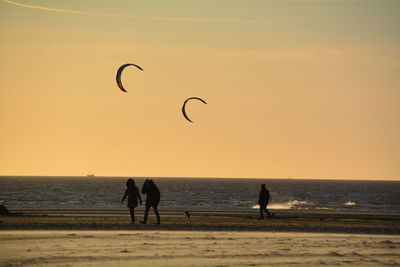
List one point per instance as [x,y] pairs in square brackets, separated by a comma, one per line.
[195,248]
[50,239]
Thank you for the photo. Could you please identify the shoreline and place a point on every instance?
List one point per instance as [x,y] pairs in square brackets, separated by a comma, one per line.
[240,210]
[203,220]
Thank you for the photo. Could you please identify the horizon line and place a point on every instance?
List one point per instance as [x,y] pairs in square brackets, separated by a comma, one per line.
[202,177]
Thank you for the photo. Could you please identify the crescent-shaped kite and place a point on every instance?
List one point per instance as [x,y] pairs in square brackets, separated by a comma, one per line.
[119,72]
[184,106]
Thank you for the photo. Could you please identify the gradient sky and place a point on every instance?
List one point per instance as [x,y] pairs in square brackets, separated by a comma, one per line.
[295,88]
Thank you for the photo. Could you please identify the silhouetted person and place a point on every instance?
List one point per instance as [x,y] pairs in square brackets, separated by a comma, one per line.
[132,192]
[153,199]
[263,201]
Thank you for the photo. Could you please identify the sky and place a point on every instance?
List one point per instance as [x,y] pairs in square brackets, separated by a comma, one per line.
[295,88]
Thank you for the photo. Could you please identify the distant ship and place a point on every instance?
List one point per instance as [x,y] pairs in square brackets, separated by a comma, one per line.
[90,174]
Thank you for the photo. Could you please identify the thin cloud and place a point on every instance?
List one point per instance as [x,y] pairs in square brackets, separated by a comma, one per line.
[78,12]
[154,18]
[172,19]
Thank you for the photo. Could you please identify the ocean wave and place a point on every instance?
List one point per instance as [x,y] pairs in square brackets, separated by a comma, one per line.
[275,206]
[292,204]
[301,202]
[192,193]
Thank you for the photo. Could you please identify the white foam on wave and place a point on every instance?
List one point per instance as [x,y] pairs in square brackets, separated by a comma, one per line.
[276,206]
[285,205]
[350,203]
[300,202]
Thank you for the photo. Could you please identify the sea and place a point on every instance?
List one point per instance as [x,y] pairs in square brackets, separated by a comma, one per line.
[202,193]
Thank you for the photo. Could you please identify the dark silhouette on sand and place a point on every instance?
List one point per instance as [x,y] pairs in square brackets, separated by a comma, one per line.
[132,192]
[187,215]
[153,199]
[263,201]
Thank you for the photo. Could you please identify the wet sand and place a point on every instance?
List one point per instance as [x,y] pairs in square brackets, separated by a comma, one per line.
[363,223]
[206,239]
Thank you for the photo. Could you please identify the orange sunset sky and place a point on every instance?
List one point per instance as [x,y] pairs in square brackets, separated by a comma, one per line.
[295,88]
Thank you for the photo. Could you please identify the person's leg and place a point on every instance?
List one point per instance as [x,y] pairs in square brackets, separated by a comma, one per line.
[132,211]
[155,208]
[266,211]
[261,212]
[146,214]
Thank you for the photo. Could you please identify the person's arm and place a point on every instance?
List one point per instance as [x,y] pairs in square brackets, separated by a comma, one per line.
[140,198]
[144,189]
[125,195]
[158,195]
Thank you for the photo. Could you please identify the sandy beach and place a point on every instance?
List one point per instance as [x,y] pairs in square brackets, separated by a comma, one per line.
[206,239]
[195,248]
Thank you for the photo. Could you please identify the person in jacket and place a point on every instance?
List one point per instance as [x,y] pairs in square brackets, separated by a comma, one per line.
[132,192]
[263,200]
[152,200]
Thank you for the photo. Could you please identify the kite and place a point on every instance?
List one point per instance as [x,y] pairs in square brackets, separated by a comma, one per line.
[184,106]
[119,72]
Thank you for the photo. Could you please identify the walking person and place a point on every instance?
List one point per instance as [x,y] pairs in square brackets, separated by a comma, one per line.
[152,200]
[132,192]
[263,201]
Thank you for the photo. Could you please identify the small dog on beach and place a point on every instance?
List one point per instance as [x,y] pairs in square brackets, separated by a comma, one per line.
[187,215]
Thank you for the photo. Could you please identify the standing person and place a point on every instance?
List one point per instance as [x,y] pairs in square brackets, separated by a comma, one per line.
[132,192]
[153,199]
[263,200]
